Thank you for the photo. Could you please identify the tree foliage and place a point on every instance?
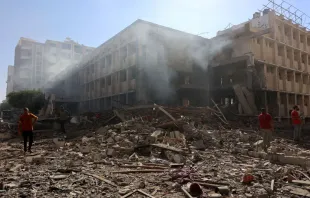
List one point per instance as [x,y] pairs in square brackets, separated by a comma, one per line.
[32,99]
[5,105]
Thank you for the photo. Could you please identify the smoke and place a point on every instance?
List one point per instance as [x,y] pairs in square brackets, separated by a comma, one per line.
[169,52]
[203,53]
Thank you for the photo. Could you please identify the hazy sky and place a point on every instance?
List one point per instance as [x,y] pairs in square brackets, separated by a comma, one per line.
[93,22]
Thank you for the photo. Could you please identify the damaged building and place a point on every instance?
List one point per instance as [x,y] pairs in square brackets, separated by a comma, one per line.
[263,62]
[145,63]
[266,65]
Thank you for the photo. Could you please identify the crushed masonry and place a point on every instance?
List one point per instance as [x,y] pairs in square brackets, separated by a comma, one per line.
[177,152]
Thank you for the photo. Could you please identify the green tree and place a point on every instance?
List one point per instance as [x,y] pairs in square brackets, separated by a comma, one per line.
[5,105]
[33,99]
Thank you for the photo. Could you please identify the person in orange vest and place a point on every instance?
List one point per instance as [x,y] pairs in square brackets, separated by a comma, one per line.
[266,127]
[296,121]
[26,122]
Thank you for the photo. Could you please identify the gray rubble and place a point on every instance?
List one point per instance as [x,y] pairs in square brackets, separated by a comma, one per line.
[138,158]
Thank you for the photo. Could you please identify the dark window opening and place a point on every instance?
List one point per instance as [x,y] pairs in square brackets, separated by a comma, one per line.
[66,46]
[132,48]
[123,53]
[93,68]
[102,83]
[102,62]
[133,72]
[109,80]
[77,49]
[52,45]
[109,60]
[123,75]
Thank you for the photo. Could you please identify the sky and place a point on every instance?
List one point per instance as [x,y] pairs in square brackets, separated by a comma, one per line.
[93,22]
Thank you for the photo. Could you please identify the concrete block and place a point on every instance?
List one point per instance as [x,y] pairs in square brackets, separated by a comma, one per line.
[38,159]
[110,140]
[111,152]
[199,145]
[294,160]
[214,195]
[85,149]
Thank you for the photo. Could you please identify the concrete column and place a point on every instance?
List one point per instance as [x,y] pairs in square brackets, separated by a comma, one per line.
[298,39]
[276,78]
[299,60]
[302,102]
[279,103]
[301,83]
[306,64]
[295,99]
[308,86]
[286,62]
[291,35]
[282,31]
[265,101]
[292,59]
[262,47]
[285,79]
[293,84]
[275,51]
[287,105]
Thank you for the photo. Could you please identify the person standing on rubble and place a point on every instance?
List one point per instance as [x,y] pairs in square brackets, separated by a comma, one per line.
[26,122]
[63,117]
[296,121]
[266,127]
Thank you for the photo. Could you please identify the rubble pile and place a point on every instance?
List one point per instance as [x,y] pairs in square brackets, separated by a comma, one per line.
[167,153]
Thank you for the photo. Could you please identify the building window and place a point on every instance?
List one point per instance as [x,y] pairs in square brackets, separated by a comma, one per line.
[77,49]
[26,53]
[109,60]
[132,48]
[52,45]
[92,68]
[123,53]
[123,75]
[102,62]
[66,46]
[102,83]
[109,80]
[133,72]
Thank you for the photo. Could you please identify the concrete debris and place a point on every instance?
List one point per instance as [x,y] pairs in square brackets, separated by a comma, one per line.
[178,152]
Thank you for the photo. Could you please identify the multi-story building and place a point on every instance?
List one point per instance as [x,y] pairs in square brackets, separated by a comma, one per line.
[35,62]
[10,80]
[269,69]
[144,63]
[28,64]
[264,62]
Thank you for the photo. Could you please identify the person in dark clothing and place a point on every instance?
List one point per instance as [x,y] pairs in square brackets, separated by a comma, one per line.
[26,122]
[63,117]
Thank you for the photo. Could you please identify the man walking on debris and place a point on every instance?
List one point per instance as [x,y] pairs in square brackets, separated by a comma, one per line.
[26,122]
[266,127]
[63,117]
[296,121]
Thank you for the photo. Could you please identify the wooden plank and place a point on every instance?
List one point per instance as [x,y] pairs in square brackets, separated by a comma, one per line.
[164,146]
[128,194]
[140,171]
[301,182]
[144,193]
[272,185]
[186,193]
[100,178]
